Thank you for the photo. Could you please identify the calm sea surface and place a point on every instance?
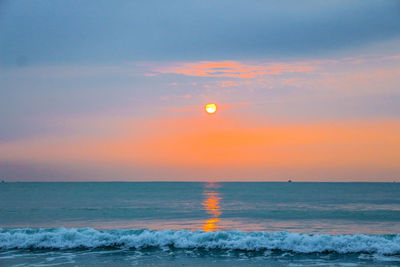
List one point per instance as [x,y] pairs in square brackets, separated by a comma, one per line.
[171,223]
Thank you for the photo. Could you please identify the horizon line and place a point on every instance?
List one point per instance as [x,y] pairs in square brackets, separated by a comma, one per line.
[200,181]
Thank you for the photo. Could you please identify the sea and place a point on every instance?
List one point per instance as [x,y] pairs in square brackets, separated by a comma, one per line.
[199,224]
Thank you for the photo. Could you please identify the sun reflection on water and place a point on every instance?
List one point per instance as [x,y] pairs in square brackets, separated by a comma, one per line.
[212,207]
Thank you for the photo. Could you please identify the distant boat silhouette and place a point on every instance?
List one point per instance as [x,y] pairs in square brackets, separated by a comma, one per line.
[289,181]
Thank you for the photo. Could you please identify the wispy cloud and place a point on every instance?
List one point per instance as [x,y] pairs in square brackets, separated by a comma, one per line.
[232,69]
[228,84]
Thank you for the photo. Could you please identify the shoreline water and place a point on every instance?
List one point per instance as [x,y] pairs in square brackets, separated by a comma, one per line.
[88,238]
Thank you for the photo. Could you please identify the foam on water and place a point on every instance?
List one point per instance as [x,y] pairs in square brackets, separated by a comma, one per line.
[71,238]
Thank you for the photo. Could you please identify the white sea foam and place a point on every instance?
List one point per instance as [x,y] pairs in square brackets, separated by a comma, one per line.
[63,238]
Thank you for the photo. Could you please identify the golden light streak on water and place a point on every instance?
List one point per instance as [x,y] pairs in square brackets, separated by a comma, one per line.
[212,207]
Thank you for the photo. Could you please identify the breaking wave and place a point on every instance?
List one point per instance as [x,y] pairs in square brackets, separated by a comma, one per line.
[88,238]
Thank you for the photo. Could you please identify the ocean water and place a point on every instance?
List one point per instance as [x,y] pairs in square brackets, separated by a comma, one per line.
[200,224]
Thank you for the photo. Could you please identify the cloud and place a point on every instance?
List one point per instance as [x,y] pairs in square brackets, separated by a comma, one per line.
[228,84]
[231,69]
[190,30]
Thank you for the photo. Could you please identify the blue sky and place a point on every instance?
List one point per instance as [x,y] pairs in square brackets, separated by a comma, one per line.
[70,32]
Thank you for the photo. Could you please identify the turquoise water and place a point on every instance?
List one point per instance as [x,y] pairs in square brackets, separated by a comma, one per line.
[173,224]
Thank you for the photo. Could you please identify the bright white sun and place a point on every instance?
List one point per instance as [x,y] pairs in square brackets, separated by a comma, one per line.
[211,108]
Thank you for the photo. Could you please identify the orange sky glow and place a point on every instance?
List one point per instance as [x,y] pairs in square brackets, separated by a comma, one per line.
[201,147]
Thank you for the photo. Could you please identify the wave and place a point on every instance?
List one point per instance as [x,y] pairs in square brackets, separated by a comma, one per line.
[88,238]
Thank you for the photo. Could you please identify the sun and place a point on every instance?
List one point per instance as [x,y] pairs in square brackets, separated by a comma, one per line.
[211,108]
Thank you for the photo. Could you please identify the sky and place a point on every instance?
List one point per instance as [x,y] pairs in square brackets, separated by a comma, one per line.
[116,90]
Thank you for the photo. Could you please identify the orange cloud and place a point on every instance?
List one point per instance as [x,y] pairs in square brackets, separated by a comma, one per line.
[232,69]
[228,84]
